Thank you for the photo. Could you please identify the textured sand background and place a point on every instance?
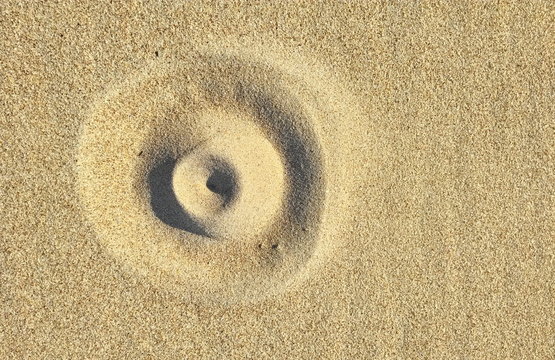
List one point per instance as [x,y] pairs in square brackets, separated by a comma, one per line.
[418,220]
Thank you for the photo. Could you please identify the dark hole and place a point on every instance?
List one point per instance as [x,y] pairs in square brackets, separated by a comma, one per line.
[221,183]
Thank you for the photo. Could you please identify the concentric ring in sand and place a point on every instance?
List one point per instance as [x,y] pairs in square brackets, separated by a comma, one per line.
[217,175]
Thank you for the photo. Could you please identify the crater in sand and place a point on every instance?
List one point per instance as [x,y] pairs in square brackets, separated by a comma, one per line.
[238,188]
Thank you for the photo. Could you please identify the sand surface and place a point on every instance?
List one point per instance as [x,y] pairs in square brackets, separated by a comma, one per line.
[308,180]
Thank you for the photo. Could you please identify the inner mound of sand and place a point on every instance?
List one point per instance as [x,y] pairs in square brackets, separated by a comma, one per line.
[231,185]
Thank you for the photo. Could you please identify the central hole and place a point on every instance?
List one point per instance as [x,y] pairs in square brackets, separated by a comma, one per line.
[221,182]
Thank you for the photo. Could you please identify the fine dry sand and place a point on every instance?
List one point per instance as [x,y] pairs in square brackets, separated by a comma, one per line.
[280,180]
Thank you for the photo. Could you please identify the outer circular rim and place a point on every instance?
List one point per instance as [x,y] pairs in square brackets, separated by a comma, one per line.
[162,258]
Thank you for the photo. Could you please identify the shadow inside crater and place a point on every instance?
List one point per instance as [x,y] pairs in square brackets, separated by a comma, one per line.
[164,202]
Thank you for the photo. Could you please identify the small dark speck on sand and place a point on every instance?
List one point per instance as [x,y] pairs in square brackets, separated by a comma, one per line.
[156,53]
[274,246]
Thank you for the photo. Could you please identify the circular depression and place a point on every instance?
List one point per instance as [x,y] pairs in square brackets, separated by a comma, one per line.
[216,176]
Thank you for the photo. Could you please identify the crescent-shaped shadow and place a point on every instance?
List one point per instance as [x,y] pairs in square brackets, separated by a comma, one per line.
[163,201]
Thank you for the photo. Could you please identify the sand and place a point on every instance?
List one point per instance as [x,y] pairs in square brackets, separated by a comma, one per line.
[304,180]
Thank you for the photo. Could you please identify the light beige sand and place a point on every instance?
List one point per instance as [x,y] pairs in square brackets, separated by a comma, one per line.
[277,180]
